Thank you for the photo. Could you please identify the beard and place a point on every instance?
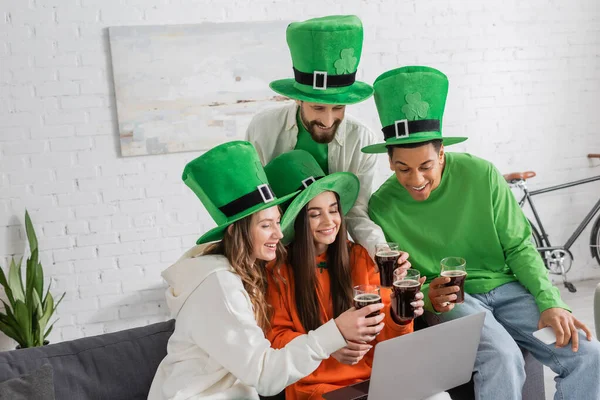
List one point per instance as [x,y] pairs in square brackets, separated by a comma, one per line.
[320,137]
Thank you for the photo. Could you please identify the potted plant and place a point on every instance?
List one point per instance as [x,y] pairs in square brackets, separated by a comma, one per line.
[25,318]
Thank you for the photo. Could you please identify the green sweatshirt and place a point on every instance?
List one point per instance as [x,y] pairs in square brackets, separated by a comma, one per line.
[471,214]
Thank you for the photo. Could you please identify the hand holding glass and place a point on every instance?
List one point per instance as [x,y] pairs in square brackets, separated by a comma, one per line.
[365,295]
[455,269]
[405,289]
[386,257]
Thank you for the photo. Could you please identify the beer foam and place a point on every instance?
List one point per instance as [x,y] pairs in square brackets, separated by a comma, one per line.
[453,273]
[406,283]
[387,253]
[367,297]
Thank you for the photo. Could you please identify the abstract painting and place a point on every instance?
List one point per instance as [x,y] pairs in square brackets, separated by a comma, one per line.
[192,87]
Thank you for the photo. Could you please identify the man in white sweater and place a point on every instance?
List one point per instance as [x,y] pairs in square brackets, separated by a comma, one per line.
[325,55]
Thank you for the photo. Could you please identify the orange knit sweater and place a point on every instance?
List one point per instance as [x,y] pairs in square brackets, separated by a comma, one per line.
[286,325]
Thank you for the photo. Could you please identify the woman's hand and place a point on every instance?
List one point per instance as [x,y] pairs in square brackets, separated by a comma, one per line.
[418,302]
[356,326]
[352,353]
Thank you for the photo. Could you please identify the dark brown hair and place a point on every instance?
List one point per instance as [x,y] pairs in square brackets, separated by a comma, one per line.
[301,258]
[237,248]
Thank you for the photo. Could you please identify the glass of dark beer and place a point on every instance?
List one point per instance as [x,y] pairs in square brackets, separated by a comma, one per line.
[386,257]
[455,269]
[365,295]
[405,289]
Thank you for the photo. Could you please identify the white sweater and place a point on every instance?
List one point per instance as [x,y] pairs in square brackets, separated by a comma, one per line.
[217,350]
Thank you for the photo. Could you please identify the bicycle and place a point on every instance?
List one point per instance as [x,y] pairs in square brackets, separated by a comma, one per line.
[557,259]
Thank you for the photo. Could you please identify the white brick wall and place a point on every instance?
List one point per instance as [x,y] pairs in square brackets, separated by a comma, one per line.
[524,86]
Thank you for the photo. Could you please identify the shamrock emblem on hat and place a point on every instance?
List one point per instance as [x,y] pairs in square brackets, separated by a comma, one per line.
[415,107]
[346,63]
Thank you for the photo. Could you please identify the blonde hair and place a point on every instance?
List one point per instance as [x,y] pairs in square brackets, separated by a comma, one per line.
[237,247]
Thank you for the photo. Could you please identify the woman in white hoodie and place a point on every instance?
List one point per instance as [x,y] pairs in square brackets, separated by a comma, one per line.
[218,349]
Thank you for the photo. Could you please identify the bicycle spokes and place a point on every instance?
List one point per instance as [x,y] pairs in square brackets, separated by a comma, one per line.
[558,261]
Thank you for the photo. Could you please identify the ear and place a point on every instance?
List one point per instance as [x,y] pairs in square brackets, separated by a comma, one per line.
[390,160]
[230,230]
[441,155]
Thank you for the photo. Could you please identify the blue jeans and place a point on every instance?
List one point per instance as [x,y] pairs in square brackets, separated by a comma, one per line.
[511,317]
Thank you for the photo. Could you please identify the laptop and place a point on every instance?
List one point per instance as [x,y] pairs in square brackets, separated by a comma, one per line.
[420,364]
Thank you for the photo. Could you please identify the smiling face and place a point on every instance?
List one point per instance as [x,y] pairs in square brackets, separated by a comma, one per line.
[419,169]
[324,218]
[265,233]
[321,120]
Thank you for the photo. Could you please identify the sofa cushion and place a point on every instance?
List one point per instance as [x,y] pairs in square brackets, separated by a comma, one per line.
[118,365]
[35,386]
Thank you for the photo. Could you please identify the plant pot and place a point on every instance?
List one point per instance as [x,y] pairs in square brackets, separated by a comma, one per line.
[46,343]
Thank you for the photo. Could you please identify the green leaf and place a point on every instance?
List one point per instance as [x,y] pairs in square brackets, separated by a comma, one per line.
[15,282]
[6,287]
[11,332]
[29,312]
[38,280]
[49,308]
[30,275]
[23,318]
[8,311]
[45,314]
[33,243]
[37,303]
[20,263]
[39,320]
[59,300]
[10,320]
[50,329]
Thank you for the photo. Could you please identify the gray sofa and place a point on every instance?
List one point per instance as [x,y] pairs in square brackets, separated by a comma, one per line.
[115,366]
[121,365]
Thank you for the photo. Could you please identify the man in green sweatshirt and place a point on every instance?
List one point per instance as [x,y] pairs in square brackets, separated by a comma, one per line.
[440,204]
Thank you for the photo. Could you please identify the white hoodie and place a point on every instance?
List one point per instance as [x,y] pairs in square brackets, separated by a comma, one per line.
[217,350]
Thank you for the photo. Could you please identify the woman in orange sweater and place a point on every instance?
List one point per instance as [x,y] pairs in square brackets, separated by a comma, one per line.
[316,283]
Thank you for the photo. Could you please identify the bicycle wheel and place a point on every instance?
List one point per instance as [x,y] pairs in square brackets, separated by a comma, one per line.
[595,240]
[536,238]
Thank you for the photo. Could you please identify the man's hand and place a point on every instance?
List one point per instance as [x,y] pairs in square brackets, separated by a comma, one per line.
[440,295]
[352,353]
[564,325]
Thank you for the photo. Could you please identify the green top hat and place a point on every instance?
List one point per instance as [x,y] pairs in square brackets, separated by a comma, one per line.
[325,55]
[298,170]
[410,102]
[231,183]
